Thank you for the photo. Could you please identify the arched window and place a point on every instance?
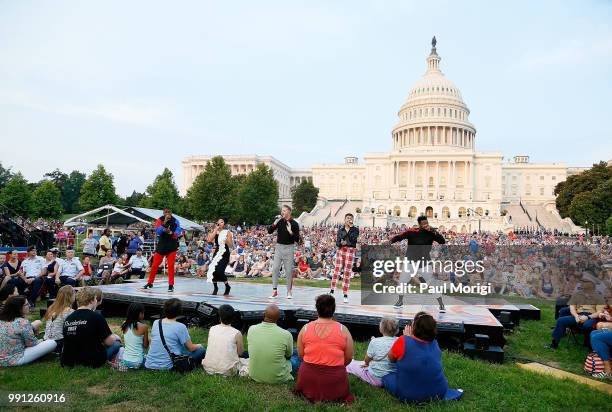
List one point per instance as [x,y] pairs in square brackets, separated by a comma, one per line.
[461,212]
[445,212]
[429,211]
[412,212]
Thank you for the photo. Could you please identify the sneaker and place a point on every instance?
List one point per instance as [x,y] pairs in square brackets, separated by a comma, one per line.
[331,291]
[601,375]
[274,294]
[345,300]
[148,286]
[227,290]
[289,295]
[399,303]
[170,288]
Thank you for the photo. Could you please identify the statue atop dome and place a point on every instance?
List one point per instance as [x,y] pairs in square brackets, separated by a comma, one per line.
[434,42]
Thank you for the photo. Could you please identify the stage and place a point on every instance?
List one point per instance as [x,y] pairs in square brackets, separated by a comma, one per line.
[250,299]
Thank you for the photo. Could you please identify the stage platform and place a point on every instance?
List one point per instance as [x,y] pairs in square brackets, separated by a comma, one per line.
[250,299]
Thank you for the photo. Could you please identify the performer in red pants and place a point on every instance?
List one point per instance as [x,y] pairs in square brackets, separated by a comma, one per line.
[346,242]
[168,230]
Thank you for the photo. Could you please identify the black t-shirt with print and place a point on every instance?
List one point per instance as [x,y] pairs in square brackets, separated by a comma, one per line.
[84,335]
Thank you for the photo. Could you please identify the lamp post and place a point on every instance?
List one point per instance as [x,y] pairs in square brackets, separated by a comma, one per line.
[373,216]
[586,228]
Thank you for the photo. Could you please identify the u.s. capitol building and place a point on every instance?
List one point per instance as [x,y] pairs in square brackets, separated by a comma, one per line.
[433,169]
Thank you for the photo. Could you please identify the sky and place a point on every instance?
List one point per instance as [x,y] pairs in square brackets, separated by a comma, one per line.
[139,85]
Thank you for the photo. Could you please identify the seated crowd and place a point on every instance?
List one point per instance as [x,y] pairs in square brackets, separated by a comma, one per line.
[320,362]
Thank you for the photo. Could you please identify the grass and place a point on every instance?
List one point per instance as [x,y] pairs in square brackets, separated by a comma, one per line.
[488,387]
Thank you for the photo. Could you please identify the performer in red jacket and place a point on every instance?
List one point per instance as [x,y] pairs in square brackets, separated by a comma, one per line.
[168,230]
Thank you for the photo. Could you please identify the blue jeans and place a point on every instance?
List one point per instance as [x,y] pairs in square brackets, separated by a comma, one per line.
[67,280]
[50,287]
[112,350]
[197,355]
[601,340]
[568,321]
[296,361]
[34,287]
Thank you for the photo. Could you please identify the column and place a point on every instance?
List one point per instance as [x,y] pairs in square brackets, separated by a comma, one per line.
[437,180]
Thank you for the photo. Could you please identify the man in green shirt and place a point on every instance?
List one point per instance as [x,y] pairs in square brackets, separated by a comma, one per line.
[271,354]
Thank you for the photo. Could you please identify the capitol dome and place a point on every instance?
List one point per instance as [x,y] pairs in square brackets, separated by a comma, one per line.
[434,113]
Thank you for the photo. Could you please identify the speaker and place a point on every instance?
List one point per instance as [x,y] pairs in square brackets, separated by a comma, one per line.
[482,341]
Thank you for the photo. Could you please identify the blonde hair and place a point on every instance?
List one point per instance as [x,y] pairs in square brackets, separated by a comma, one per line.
[85,296]
[98,293]
[63,301]
[389,326]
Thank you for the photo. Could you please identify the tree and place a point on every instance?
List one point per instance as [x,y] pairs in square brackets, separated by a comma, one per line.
[258,196]
[46,200]
[593,207]
[163,193]
[212,194]
[98,190]
[304,197]
[57,177]
[5,175]
[16,197]
[72,190]
[135,199]
[609,226]
[586,181]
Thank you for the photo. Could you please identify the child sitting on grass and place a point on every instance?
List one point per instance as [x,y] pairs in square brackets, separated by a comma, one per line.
[135,337]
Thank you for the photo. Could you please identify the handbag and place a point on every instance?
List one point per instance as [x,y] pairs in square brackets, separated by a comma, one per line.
[180,363]
[593,364]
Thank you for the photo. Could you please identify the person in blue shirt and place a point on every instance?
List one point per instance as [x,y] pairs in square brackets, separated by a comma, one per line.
[419,376]
[176,336]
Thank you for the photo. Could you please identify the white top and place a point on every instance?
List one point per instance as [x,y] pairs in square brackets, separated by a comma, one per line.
[32,267]
[54,329]
[221,356]
[70,267]
[138,262]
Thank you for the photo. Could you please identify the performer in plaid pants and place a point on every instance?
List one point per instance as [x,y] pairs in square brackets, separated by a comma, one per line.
[346,242]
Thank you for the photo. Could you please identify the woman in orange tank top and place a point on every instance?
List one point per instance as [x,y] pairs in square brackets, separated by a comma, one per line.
[326,347]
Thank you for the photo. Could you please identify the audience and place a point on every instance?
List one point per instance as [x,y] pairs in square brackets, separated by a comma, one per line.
[31,275]
[105,266]
[18,343]
[49,272]
[272,358]
[176,336]
[135,337]
[56,315]
[87,271]
[225,347]
[583,311]
[6,292]
[138,265]
[121,268]
[88,341]
[376,363]
[601,341]
[70,270]
[418,358]
[326,347]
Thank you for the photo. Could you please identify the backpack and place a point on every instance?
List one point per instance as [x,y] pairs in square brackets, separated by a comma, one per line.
[593,364]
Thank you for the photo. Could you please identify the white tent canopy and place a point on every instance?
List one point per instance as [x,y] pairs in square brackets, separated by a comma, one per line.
[110,215]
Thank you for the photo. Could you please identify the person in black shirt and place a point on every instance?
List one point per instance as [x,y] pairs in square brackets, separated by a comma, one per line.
[288,235]
[168,230]
[88,341]
[346,244]
[421,239]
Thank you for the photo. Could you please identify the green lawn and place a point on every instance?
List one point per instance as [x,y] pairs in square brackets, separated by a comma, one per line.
[488,387]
